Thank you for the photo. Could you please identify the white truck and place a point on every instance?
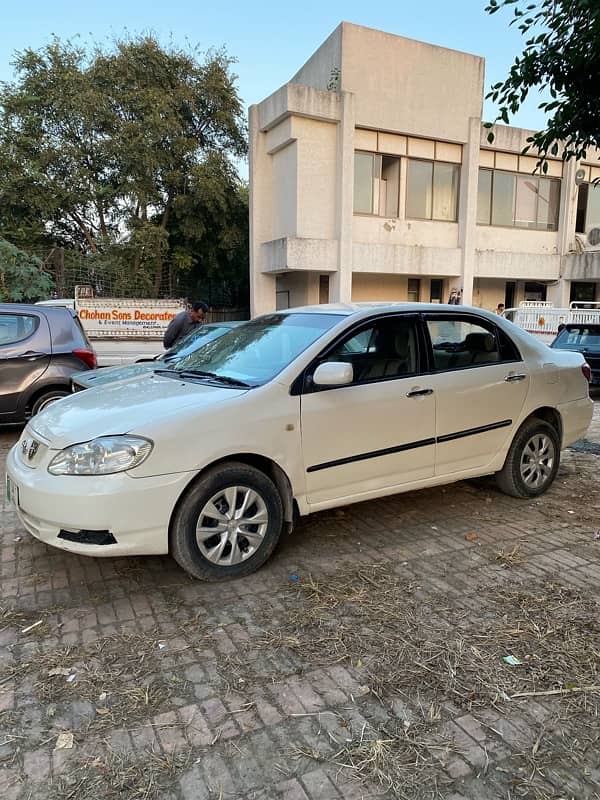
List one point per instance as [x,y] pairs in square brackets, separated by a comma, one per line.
[121,330]
[543,319]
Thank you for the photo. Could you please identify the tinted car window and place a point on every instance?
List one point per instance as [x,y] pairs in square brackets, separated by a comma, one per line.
[580,337]
[466,342]
[16,327]
[386,348]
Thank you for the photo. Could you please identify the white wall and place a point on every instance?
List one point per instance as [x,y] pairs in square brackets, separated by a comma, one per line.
[408,232]
[410,87]
[284,210]
[317,153]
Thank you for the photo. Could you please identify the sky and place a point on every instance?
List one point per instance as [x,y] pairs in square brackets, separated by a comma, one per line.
[270,40]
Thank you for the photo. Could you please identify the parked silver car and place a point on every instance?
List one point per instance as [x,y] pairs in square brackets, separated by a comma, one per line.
[189,344]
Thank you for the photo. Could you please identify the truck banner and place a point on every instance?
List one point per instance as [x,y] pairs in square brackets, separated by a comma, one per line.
[126,319]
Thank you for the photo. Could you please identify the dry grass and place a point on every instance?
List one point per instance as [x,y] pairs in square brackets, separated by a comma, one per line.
[400,760]
[121,676]
[441,650]
[510,558]
[428,651]
[118,777]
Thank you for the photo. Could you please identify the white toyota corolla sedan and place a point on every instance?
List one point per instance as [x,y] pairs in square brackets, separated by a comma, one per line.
[295,412]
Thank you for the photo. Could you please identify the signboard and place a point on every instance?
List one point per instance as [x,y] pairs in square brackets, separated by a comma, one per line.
[126,319]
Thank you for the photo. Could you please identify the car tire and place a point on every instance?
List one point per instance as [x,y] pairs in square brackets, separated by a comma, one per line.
[532,461]
[45,399]
[243,507]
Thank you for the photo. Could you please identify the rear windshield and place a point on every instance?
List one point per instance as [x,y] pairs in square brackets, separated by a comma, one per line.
[580,337]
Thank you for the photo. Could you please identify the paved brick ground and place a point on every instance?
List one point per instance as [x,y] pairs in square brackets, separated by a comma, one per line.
[180,690]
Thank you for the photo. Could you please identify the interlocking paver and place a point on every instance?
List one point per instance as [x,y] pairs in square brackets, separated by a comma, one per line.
[237,712]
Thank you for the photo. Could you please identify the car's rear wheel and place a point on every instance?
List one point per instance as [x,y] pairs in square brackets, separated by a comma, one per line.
[227,524]
[45,399]
[532,461]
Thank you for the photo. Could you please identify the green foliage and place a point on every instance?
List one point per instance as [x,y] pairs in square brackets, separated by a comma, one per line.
[21,276]
[123,156]
[561,57]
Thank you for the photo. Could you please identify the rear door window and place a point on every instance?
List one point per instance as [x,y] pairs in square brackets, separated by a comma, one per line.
[467,342]
[16,328]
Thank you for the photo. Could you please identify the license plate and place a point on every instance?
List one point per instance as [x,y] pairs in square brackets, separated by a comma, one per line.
[12,492]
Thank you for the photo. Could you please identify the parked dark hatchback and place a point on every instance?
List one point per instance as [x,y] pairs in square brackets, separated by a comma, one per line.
[584,338]
[40,348]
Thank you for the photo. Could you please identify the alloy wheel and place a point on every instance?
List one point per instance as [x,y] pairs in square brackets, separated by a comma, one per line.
[232,525]
[537,461]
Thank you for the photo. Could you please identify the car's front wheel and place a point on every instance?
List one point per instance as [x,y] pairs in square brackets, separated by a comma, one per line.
[532,461]
[228,523]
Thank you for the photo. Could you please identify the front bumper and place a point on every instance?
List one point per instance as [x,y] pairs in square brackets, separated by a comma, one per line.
[136,511]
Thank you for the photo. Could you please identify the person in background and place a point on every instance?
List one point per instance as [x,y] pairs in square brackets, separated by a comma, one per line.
[500,309]
[184,322]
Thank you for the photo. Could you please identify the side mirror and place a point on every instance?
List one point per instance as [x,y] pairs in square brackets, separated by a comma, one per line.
[333,373]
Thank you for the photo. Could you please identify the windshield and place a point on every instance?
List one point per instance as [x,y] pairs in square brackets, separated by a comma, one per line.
[579,337]
[255,352]
[193,341]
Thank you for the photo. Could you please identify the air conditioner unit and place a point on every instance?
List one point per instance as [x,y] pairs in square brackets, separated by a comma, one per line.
[592,240]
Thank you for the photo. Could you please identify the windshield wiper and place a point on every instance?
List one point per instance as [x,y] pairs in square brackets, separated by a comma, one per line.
[200,373]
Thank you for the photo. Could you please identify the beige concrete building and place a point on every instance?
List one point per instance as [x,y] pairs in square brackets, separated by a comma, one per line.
[371,178]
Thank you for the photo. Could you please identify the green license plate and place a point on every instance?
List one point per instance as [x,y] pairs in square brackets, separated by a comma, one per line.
[12,492]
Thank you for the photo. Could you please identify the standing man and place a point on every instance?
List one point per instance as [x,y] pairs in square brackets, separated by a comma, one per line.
[500,309]
[184,322]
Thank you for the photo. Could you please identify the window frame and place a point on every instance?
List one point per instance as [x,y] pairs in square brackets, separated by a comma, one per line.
[303,383]
[36,327]
[503,340]
[380,156]
[515,176]
[433,162]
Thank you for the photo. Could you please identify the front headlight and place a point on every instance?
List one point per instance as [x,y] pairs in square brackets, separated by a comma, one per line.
[102,456]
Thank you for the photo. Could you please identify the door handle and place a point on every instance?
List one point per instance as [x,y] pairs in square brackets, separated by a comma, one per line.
[513,378]
[31,355]
[419,392]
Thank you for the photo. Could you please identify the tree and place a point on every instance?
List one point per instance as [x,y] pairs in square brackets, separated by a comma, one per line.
[562,59]
[100,152]
[21,276]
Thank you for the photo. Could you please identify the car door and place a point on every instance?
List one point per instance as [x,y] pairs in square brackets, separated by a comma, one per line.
[480,383]
[24,355]
[377,432]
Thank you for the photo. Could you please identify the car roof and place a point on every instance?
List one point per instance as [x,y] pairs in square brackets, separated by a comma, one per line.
[29,308]
[570,325]
[368,309]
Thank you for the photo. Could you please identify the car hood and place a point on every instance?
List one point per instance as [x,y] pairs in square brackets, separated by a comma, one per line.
[125,406]
[100,377]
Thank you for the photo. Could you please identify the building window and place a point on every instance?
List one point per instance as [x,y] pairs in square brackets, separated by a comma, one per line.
[376,184]
[535,292]
[588,208]
[432,190]
[323,289]
[414,289]
[583,292]
[516,200]
[435,291]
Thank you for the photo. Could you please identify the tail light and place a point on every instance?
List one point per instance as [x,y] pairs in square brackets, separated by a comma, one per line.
[587,371]
[87,356]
